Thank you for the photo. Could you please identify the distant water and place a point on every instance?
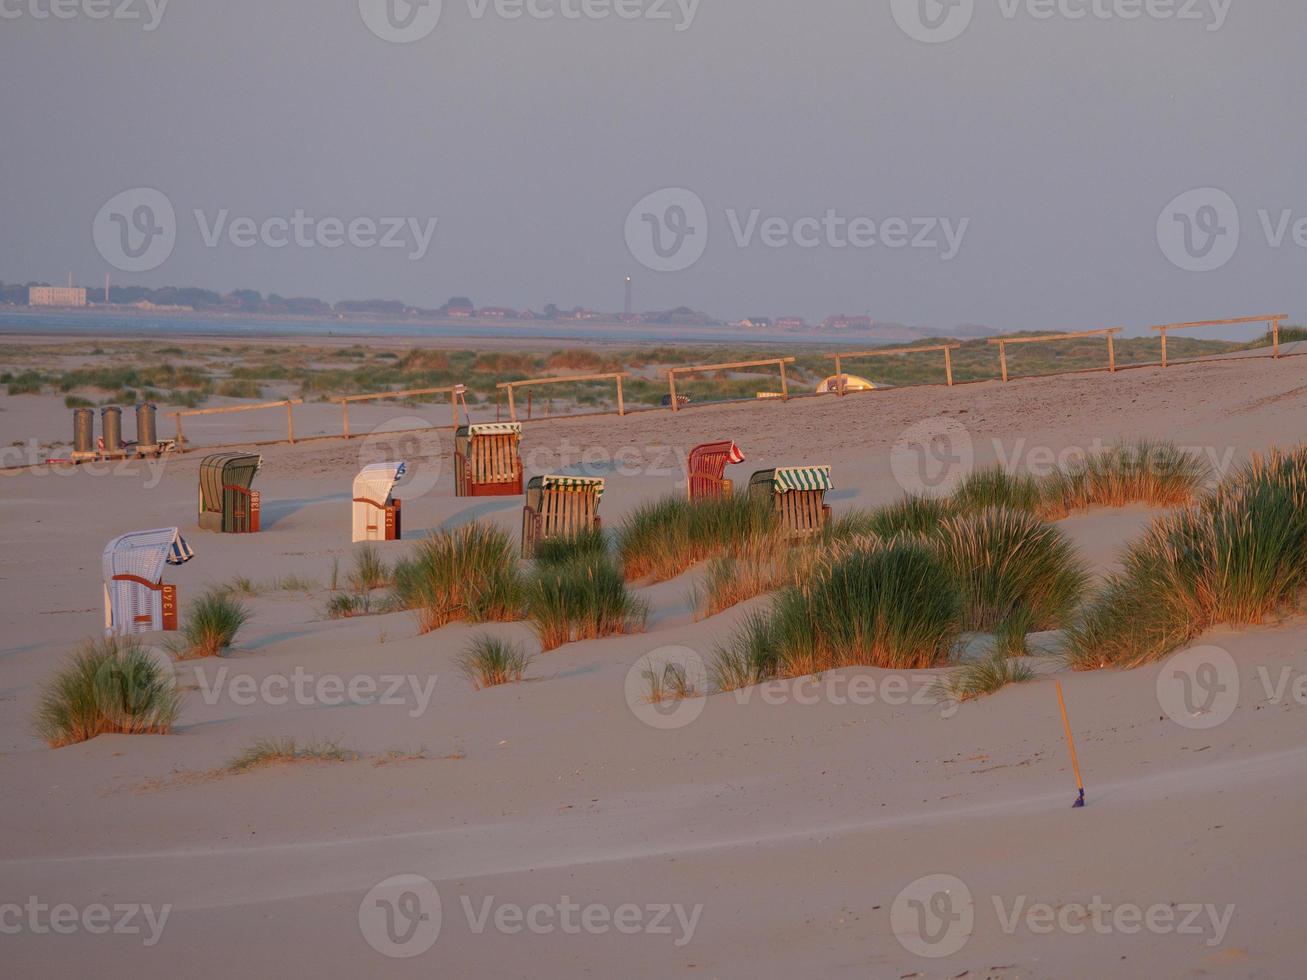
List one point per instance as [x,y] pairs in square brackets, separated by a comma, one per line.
[126,324]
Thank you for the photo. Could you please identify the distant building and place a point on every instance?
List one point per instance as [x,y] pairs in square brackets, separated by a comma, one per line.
[56,296]
[756,323]
[498,313]
[792,323]
[842,322]
[461,312]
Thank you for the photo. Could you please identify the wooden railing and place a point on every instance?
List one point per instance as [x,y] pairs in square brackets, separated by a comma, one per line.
[1110,333]
[733,366]
[1273,320]
[453,392]
[948,350]
[288,403]
[511,386]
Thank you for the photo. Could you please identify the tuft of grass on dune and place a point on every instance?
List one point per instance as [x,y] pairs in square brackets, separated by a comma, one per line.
[996,487]
[211,624]
[491,662]
[281,751]
[370,571]
[108,686]
[1237,557]
[587,544]
[1147,472]
[467,574]
[584,598]
[667,537]
[979,678]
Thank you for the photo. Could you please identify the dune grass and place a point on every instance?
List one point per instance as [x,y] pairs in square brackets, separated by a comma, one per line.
[491,662]
[995,487]
[584,598]
[212,623]
[667,537]
[892,605]
[668,682]
[979,678]
[1007,563]
[108,686]
[1147,472]
[280,751]
[1237,557]
[467,574]
[369,571]
[588,543]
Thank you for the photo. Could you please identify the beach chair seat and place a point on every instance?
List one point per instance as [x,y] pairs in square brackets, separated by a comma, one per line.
[559,507]
[799,495]
[227,502]
[706,469]
[136,599]
[488,460]
[376,512]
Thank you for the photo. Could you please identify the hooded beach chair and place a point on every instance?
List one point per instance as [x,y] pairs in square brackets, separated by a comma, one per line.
[136,599]
[488,460]
[559,507]
[376,511]
[706,468]
[800,496]
[227,504]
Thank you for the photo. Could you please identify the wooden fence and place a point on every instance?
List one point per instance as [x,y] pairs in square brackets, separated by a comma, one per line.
[734,366]
[1110,333]
[288,403]
[1273,320]
[453,393]
[948,350]
[511,386]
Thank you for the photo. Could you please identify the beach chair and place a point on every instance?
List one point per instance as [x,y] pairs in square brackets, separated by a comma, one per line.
[136,599]
[488,460]
[559,507]
[706,469]
[376,511]
[227,504]
[799,493]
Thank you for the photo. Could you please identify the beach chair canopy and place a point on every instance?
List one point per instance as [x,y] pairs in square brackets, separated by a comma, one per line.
[373,490]
[571,484]
[132,567]
[225,482]
[471,432]
[487,459]
[786,479]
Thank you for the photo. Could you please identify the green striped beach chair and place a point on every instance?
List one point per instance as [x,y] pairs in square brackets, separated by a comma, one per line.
[559,507]
[227,502]
[799,493]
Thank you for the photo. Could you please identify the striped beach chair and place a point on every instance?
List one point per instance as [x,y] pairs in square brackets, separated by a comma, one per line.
[706,468]
[227,502]
[559,507]
[136,599]
[376,511]
[488,460]
[799,493]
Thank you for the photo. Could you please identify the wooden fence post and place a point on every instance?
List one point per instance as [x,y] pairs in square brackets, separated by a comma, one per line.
[1163,331]
[785,385]
[344,408]
[948,365]
[671,384]
[1275,328]
[290,422]
[512,405]
[840,386]
[621,402]
[1111,353]
[1002,359]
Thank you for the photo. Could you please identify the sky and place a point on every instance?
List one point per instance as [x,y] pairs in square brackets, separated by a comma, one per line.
[1022,164]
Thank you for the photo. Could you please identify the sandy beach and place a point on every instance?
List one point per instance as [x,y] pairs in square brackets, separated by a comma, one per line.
[775,832]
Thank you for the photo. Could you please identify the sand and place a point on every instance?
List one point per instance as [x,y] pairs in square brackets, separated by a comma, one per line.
[769,836]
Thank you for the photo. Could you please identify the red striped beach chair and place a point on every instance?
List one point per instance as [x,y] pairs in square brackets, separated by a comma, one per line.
[706,468]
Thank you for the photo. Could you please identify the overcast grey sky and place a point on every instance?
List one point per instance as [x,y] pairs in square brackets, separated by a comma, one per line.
[1049,144]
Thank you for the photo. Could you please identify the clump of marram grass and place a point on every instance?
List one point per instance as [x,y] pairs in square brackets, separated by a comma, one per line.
[891,605]
[491,662]
[349,605]
[978,678]
[370,571]
[590,542]
[996,487]
[665,538]
[1008,563]
[582,599]
[280,751]
[241,585]
[1147,472]
[910,515]
[469,574]
[108,686]
[668,682]
[212,622]
[1237,557]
